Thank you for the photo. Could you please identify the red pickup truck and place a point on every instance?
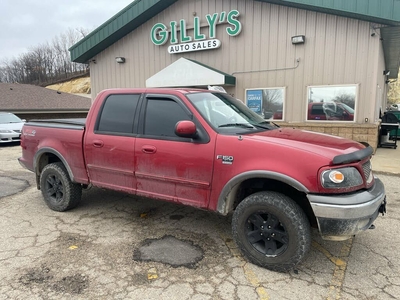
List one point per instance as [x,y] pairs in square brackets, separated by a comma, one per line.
[206,149]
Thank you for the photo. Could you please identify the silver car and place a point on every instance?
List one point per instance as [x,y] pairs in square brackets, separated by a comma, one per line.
[10,127]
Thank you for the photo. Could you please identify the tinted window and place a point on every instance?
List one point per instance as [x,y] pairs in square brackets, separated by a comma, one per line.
[162,116]
[118,113]
[317,110]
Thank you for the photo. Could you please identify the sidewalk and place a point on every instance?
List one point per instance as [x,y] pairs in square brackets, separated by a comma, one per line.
[387,161]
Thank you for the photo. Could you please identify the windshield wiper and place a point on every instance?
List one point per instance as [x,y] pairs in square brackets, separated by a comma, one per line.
[268,123]
[243,125]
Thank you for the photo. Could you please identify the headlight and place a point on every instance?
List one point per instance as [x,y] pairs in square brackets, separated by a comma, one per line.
[341,178]
[6,131]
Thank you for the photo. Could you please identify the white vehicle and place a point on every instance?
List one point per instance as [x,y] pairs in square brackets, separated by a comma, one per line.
[10,127]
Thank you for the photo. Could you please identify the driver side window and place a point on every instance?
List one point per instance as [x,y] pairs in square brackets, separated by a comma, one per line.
[161,117]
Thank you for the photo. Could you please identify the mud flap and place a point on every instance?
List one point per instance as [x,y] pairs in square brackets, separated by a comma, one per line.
[382,208]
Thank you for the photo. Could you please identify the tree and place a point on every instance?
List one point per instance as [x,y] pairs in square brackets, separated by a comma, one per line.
[347,99]
[46,63]
[272,99]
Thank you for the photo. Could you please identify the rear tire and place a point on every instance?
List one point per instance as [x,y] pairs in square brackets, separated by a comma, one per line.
[59,192]
[271,230]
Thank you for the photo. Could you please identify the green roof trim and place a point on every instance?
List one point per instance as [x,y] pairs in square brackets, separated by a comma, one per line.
[229,79]
[127,20]
[391,49]
[385,12]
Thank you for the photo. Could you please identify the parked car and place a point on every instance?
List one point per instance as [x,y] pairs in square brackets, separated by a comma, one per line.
[10,127]
[278,115]
[330,111]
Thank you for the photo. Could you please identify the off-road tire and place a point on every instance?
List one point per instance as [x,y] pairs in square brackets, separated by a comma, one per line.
[273,219]
[59,192]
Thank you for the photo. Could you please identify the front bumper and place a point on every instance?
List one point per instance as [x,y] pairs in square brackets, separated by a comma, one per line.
[340,217]
[10,137]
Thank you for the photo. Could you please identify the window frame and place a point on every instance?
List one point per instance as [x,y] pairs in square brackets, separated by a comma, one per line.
[356,96]
[283,88]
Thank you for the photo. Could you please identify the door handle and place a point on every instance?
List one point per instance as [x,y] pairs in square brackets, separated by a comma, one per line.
[149,149]
[98,143]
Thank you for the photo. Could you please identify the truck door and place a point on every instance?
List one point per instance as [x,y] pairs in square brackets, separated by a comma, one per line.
[109,147]
[167,166]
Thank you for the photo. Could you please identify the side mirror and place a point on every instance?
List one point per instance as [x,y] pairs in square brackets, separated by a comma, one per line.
[186,129]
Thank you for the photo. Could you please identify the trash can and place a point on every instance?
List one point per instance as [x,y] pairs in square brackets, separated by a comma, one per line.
[389,123]
[395,133]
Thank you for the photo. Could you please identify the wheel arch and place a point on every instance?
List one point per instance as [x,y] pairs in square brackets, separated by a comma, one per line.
[47,156]
[245,184]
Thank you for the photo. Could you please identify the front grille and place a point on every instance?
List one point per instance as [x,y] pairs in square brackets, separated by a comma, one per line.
[17,131]
[366,169]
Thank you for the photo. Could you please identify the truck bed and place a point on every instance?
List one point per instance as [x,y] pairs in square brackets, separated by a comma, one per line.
[73,123]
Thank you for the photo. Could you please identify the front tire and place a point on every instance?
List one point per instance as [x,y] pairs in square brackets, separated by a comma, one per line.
[271,230]
[59,192]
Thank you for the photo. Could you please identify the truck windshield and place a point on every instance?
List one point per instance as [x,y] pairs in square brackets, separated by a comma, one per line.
[224,112]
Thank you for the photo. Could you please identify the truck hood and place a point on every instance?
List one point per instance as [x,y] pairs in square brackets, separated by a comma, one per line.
[321,144]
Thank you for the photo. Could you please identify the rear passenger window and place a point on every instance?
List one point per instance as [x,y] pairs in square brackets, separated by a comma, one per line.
[118,114]
[162,116]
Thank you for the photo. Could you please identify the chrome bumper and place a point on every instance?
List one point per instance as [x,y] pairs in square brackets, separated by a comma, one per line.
[340,217]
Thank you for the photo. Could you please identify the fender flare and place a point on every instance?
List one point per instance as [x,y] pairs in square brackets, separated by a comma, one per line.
[225,203]
[45,150]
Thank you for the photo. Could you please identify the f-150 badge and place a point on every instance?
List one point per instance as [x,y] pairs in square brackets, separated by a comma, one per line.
[226,159]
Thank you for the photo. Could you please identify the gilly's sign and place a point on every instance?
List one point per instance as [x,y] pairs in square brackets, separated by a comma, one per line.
[177,33]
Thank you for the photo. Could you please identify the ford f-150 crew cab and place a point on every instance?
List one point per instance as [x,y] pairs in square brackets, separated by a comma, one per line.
[206,149]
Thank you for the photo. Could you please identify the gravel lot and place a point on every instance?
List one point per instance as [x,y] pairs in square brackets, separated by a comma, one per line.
[91,252]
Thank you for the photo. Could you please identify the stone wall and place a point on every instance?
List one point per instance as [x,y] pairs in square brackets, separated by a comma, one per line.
[366,133]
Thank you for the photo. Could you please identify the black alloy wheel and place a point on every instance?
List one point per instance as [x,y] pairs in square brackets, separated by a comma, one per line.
[267,234]
[59,192]
[271,230]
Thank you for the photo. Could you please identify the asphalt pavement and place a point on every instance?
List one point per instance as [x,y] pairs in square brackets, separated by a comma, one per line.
[116,246]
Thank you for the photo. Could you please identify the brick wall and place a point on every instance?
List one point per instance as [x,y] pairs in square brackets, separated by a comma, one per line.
[366,133]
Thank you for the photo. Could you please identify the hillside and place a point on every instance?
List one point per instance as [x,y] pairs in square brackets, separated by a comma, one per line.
[79,86]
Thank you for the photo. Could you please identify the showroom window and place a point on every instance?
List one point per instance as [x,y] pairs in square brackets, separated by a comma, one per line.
[331,103]
[267,102]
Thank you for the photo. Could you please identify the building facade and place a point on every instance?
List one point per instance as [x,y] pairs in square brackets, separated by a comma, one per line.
[324,68]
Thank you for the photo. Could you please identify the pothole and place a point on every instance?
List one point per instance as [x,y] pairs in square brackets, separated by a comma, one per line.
[169,250]
[74,284]
[11,186]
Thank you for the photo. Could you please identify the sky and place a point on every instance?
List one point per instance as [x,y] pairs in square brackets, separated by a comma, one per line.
[27,23]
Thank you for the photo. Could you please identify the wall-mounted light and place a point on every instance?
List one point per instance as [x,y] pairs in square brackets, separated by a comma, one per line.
[120,59]
[298,39]
[386,72]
